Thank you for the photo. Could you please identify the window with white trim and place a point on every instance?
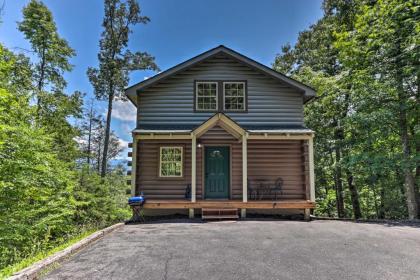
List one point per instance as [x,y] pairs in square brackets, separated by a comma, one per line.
[206,96]
[170,161]
[234,96]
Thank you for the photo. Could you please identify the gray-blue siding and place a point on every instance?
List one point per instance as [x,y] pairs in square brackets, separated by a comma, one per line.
[270,102]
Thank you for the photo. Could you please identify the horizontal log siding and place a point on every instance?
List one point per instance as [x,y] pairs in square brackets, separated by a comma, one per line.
[305,156]
[269,159]
[148,180]
[270,102]
[218,136]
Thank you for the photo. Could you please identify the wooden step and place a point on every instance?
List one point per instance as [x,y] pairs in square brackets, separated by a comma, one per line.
[220,217]
[219,213]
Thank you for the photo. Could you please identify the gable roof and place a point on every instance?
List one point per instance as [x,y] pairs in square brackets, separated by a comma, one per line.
[224,122]
[132,90]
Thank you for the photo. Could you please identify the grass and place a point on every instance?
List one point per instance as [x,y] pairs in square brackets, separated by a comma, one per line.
[9,270]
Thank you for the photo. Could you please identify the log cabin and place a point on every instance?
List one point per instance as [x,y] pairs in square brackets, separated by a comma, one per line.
[222,134]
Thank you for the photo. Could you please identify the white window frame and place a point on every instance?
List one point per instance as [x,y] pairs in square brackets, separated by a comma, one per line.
[196,96]
[224,97]
[182,161]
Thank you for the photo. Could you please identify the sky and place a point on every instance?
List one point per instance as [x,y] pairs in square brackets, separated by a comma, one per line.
[178,30]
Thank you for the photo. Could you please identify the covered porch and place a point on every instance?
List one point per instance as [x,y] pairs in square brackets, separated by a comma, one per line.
[254,204]
[253,157]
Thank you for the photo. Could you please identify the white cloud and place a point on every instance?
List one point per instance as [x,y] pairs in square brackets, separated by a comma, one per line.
[124,111]
[123,155]
[123,143]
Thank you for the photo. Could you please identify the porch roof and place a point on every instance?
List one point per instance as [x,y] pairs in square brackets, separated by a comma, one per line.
[176,128]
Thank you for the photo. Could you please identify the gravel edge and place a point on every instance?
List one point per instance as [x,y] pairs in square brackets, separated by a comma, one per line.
[32,271]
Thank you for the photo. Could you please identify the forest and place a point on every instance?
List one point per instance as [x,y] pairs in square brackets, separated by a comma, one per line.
[57,177]
[363,58]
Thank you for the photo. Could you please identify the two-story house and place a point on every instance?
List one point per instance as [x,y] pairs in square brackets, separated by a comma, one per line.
[222,131]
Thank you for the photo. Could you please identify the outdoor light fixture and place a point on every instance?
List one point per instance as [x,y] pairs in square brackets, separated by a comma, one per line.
[199,145]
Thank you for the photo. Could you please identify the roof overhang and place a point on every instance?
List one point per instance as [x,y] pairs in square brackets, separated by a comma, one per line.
[307,91]
[233,128]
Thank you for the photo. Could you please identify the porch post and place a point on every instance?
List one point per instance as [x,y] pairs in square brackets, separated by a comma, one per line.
[193,172]
[244,172]
[311,168]
[133,165]
[311,176]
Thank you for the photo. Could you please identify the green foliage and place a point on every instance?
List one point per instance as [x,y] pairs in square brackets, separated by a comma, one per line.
[34,184]
[116,61]
[53,52]
[98,201]
[362,57]
[46,199]
[9,270]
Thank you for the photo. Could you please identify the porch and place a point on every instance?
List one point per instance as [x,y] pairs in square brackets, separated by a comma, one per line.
[254,204]
[249,156]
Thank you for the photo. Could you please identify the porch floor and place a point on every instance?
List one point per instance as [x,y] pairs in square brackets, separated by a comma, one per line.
[253,204]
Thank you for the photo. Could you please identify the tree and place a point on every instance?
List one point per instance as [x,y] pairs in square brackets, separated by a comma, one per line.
[35,185]
[98,140]
[383,49]
[53,52]
[54,107]
[115,60]
[44,199]
[92,140]
[314,60]
[362,58]
[88,127]
[91,118]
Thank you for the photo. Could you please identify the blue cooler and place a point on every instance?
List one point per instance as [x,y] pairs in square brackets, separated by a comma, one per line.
[136,200]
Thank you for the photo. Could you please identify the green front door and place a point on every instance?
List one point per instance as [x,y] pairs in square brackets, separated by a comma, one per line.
[216,175]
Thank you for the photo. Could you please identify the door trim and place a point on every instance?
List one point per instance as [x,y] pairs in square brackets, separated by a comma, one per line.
[203,169]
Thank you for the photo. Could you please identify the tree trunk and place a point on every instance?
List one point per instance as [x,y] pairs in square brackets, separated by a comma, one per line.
[338,176]
[410,187]
[98,167]
[382,205]
[417,148]
[40,84]
[107,132]
[417,178]
[354,196]
[375,200]
[90,135]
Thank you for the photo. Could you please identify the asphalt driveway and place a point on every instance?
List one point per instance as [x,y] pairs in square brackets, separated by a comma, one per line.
[249,250]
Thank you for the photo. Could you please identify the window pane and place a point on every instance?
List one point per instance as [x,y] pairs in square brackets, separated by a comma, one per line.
[234,96]
[171,162]
[206,96]
[165,169]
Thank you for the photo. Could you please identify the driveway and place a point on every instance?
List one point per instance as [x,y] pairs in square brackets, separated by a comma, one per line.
[249,250]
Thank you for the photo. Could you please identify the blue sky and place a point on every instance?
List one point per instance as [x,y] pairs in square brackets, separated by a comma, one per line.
[178,31]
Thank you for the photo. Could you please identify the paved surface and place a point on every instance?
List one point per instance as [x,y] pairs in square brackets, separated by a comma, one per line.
[250,250]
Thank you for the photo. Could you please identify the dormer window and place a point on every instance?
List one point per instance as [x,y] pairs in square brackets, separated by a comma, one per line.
[206,96]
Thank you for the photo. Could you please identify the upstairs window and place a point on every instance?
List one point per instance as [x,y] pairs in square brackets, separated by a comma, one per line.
[206,96]
[234,96]
[170,163]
